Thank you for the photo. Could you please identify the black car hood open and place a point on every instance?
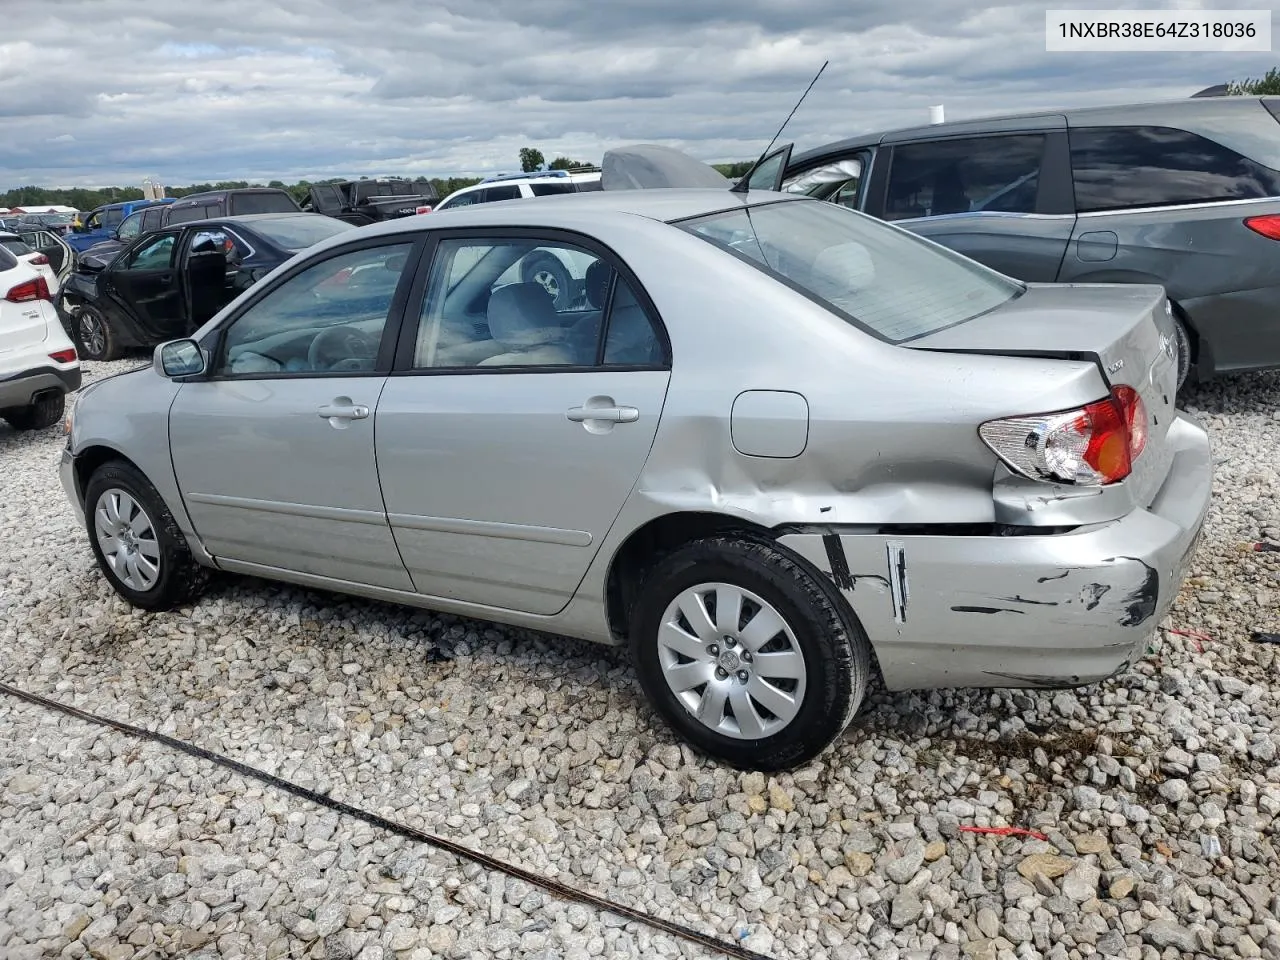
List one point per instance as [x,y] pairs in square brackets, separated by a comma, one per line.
[648,166]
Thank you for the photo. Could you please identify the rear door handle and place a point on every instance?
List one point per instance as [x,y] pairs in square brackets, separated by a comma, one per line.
[344,411]
[608,414]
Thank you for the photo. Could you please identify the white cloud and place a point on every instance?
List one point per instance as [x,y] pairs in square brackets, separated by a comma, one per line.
[92,92]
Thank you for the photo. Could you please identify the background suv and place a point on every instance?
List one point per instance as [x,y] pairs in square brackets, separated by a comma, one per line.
[38,364]
[556,270]
[1181,193]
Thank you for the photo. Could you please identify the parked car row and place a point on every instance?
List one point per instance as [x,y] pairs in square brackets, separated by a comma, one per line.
[169,281]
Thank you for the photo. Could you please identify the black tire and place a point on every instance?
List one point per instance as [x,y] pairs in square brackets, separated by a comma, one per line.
[180,578]
[95,340]
[836,652]
[1184,349]
[43,413]
[548,272]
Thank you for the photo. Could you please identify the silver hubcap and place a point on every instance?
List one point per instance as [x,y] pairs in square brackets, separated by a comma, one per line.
[127,539]
[731,660]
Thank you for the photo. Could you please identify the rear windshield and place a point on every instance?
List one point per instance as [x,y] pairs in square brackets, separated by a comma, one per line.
[15,246]
[298,233]
[242,203]
[880,278]
[7,260]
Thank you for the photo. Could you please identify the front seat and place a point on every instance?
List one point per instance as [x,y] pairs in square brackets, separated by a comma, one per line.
[522,318]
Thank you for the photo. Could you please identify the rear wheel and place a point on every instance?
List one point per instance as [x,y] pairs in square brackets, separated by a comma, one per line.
[136,541]
[747,654]
[1184,349]
[94,337]
[44,412]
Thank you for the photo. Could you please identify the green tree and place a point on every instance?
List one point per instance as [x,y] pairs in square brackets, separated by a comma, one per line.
[1268,86]
[734,170]
[564,163]
[531,159]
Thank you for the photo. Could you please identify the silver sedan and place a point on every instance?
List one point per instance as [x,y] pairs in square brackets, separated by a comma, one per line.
[772,445]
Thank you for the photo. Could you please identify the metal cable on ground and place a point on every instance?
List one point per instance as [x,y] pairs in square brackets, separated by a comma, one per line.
[440,843]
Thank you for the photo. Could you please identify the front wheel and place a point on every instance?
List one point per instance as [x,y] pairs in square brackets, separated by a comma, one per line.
[136,541]
[747,654]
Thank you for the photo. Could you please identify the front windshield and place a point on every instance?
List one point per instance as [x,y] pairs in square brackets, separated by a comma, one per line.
[298,233]
[880,278]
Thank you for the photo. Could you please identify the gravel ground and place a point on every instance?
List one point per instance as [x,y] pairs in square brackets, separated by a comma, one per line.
[1158,791]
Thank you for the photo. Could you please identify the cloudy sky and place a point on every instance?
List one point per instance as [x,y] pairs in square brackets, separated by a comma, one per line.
[97,92]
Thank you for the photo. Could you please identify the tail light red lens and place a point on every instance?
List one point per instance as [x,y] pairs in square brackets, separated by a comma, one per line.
[63,356]
[1268,226]
[39,260]
[35,289]
[1093,446]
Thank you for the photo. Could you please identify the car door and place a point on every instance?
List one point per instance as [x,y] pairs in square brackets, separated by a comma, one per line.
[511,433]
[1003,199]
[144,280]
[274,448]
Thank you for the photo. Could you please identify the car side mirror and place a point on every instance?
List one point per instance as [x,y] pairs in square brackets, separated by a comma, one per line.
[178,358]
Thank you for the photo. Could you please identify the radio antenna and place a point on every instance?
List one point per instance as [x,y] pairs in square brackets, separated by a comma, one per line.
[742,185]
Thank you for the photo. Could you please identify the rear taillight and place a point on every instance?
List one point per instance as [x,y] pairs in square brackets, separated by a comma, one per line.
[1268,226]
[1093,446]
[423,209]
[35,289]
[63,356]
[39,260]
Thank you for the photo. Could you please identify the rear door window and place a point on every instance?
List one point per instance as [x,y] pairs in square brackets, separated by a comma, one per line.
[547,189]
[968,175]
[507,191]
[1115,168]
[242,203]
[112,218]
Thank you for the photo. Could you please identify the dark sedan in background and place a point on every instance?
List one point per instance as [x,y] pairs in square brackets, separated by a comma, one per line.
[168,282]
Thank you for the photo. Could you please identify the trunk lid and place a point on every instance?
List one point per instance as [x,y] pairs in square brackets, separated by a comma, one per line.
[1122,328]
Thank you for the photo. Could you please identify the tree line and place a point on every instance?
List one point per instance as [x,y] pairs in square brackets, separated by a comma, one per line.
[82,198]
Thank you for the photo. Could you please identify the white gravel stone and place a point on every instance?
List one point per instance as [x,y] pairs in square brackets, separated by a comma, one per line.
[539,751]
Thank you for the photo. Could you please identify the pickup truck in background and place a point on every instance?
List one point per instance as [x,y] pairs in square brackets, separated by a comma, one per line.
[371,201]
[101,223]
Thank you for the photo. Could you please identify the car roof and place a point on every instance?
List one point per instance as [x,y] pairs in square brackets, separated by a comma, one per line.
[1149,111]
[567,210]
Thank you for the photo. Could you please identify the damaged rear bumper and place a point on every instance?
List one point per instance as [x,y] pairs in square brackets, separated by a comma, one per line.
[1054,610]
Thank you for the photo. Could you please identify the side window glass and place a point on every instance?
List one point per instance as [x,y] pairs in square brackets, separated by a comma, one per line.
[630,338]
[156,255]
[506,192]
[837,181]
[131,227]
[111,218]
[327,319]
[963,176]
[511,303]
[1118,167]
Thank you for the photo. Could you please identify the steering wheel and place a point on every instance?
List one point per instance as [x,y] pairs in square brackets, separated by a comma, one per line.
[341,348]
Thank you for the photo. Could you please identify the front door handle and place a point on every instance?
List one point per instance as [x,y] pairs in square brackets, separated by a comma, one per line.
[612,414]
[344,409]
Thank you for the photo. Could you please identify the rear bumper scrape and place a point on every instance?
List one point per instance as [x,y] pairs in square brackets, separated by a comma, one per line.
[1056,610]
